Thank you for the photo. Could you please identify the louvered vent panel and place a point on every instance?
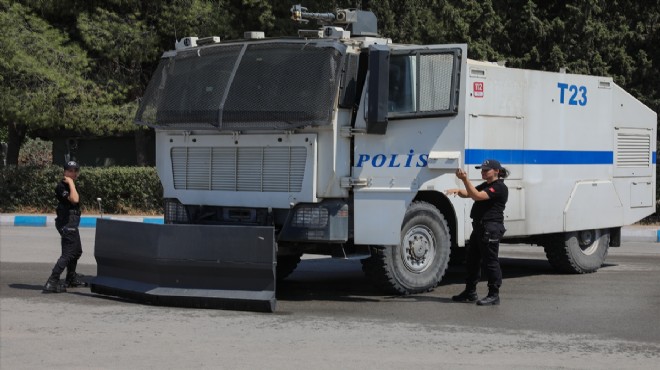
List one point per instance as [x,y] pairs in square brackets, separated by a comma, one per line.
[250,169]
[223,170]
[270,169]
[275,170]
[633,150]
[297,168]
[179,159]
[199,164]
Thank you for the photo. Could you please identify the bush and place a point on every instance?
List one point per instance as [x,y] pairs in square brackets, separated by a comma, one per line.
[36,152]
[28,187]
[122,189]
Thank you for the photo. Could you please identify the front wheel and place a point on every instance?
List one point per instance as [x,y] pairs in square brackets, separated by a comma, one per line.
[419,262]
[577,252]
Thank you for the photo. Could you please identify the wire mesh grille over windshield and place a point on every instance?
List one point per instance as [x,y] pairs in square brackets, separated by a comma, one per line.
[240,87]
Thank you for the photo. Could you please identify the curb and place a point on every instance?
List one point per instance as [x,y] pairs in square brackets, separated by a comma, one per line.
[85,221]
[640,234]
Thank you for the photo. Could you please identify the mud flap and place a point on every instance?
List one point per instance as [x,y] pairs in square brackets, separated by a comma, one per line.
[226,267]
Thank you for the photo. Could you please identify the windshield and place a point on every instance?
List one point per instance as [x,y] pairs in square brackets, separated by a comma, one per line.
[275,85]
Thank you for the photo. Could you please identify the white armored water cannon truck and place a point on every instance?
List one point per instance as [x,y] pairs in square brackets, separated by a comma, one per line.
[340,142]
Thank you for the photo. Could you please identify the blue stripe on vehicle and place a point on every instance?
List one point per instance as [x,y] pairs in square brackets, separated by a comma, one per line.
[510,156]
[30,220]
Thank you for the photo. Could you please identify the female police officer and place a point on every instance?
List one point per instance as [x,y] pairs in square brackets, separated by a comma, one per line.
[67,222]
[487,229]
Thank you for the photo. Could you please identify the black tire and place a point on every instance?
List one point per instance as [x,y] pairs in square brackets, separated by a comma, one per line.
[577,252]
[286,264]
[419,262]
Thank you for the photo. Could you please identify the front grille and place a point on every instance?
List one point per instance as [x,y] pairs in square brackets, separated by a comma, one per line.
[633,150]
[255,169]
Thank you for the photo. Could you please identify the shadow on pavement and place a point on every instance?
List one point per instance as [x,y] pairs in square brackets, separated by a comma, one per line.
[327,279]
[337,280]
[26,286]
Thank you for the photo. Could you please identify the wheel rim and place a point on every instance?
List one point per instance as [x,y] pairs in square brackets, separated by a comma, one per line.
[588,241]
[418,249]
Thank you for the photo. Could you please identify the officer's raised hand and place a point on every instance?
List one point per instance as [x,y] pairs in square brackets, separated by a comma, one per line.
[462,175]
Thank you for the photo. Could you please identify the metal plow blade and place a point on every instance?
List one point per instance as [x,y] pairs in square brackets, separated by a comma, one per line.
[226,267]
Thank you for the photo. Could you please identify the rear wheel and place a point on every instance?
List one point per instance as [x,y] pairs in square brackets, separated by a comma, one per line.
[418,263]
[577,252]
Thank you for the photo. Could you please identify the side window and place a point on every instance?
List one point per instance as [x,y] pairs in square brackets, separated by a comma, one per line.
[402,88]
[436,75]
[424,83]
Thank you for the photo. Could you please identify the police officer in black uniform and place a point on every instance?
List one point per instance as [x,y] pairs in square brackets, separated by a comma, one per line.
[67,222]
[487,229]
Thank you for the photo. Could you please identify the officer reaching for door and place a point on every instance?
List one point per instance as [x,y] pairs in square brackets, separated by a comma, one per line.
[487,215]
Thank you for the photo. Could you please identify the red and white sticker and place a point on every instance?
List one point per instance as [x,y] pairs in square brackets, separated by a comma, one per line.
[478,90]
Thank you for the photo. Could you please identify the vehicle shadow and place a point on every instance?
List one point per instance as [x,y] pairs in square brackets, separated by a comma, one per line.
[328,279]
[343,280]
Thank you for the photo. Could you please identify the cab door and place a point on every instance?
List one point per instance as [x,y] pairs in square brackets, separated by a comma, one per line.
[410,100]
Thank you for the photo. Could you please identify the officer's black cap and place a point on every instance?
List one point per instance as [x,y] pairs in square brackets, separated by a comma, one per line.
[72,165]
[490,164]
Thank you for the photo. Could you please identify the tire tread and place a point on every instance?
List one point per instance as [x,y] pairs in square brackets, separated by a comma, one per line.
[559,255]
[378,268]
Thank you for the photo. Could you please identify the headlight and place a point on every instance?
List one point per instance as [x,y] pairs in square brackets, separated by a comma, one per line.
[175,212]
[325,222]
[310,217]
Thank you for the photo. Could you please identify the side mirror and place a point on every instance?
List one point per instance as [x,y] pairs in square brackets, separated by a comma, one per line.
[379,81]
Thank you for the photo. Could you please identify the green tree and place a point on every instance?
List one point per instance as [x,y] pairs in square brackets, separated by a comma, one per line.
[43,80]
[124,39]
[83,65]
[473,22]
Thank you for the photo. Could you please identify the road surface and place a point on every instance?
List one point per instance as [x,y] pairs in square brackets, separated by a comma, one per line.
[330,317]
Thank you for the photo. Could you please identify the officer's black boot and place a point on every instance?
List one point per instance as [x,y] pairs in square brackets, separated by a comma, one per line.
[468,295]
[75,281]
[53,286]
[492,299]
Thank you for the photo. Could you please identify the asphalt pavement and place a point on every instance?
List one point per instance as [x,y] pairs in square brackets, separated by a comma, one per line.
[330,316]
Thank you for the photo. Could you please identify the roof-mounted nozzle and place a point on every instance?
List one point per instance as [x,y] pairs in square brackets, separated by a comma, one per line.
[358,22]
[301,15]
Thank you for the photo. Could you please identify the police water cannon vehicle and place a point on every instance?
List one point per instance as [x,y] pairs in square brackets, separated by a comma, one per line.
[342,143]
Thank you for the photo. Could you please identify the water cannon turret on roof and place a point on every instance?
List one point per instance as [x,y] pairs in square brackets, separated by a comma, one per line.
[358,22]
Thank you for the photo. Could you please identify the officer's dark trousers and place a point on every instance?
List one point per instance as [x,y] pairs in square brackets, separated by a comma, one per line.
[482,254]
[71,247]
